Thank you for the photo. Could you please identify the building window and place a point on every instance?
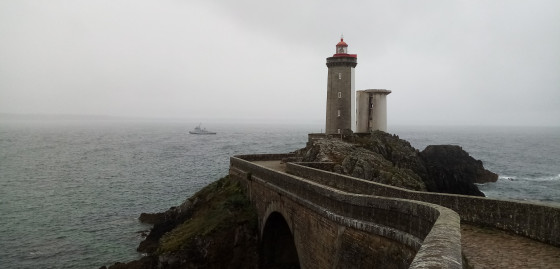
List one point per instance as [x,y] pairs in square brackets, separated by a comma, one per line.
[339,95]
[339,75]
[339,113]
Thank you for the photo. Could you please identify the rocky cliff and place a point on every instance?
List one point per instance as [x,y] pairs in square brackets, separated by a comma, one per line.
[387,159]
[380,161]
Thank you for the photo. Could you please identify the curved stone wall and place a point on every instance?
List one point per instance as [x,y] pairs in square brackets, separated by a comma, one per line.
[537,221]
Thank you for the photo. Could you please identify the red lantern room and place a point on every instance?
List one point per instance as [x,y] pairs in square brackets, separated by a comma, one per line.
[341,47]
[342,50]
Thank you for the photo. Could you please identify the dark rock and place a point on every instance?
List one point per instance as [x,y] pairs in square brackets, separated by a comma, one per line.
[147,262]
[453,170]
[152,218]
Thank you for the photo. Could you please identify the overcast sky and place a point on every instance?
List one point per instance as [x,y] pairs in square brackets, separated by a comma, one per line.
[446,62]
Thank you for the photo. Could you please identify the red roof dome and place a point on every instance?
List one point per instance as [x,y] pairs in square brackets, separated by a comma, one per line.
[342,43]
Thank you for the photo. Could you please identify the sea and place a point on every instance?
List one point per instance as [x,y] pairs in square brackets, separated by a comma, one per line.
[71,190]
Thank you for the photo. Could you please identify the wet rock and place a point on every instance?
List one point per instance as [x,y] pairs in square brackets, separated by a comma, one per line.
[453,170]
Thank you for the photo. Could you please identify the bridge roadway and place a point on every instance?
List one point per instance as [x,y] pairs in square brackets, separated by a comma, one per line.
[490,248]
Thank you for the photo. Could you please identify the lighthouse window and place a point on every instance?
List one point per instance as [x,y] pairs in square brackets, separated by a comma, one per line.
[339,75]
[339,95]
[339,112]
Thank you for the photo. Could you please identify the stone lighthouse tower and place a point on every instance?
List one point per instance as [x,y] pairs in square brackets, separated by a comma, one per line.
[341,100]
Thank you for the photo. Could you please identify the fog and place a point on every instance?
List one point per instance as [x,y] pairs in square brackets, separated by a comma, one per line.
[446,62]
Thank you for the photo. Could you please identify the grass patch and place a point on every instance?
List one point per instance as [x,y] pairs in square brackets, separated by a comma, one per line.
[218,206]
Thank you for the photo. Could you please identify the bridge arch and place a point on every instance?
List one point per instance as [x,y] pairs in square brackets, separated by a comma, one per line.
[278,246]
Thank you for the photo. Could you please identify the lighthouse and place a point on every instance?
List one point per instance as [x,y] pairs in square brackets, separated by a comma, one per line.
[341,97]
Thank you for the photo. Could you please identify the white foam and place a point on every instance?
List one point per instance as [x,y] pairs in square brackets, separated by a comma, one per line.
[547,178]
[507,178]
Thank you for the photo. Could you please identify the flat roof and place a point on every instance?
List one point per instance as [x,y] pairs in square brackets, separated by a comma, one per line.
[377,91]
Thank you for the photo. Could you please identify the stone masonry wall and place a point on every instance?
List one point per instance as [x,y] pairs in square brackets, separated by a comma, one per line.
[536,221]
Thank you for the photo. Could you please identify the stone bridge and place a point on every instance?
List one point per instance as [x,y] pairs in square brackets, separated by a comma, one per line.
[312,218]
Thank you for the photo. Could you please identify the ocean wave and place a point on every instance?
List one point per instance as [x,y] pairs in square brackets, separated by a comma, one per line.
[546,178]
[507,178]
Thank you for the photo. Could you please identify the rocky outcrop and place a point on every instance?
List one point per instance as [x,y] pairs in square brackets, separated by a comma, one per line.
[453,170]
[387,159]
[216,228]
[358,161]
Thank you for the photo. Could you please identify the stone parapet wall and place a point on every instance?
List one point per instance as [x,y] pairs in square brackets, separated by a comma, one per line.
[325,166]
[265,157]
[432,230]
[342,61]
[345,137]
[533,220]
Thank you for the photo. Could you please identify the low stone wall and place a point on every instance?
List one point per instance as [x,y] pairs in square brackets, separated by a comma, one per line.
[433,230]
[347,137]
[325,166]
[536,221]
[264,157]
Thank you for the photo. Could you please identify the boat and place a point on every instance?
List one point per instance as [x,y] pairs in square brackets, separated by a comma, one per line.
[201,131]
